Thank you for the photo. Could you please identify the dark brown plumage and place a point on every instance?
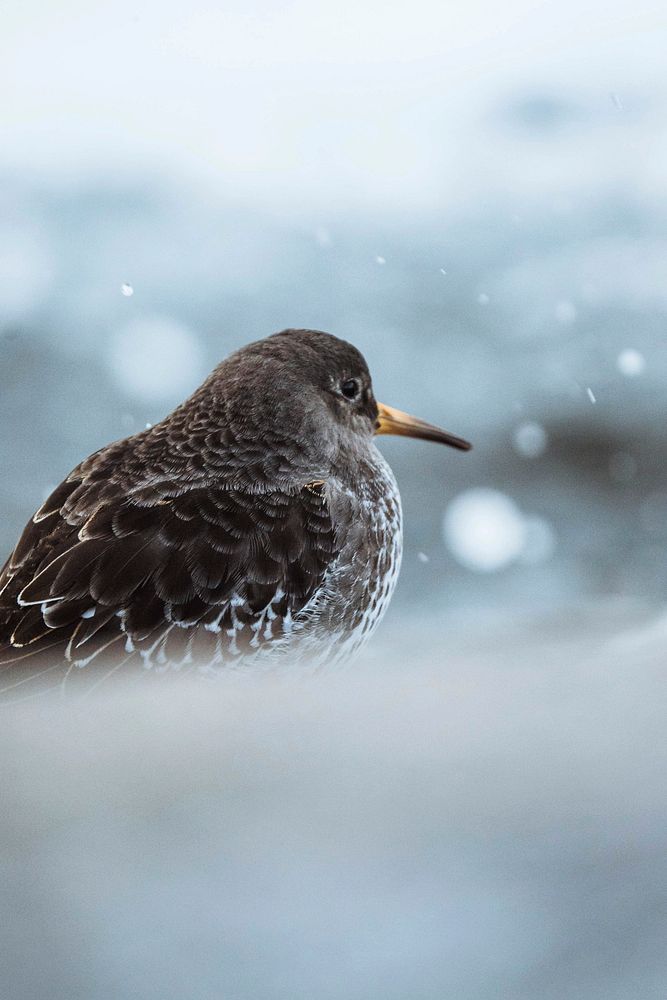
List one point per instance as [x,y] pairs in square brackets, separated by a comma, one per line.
[257,518]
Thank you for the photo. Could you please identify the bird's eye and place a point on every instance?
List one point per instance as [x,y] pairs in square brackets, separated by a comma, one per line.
[350,388]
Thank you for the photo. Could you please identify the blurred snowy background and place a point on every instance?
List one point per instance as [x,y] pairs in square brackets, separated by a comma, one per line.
[475,195]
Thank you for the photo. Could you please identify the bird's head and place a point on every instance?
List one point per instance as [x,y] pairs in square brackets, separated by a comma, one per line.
[308,396]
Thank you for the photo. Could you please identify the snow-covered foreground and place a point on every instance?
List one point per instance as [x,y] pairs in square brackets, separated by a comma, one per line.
[484,824]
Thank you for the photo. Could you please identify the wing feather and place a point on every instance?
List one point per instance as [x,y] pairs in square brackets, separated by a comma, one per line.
[173,575]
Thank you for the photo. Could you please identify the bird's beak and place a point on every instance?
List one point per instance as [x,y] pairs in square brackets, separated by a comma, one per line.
[391,421]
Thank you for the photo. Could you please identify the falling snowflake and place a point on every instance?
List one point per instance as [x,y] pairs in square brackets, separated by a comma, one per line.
[530,439]
[630,362]
[484,529]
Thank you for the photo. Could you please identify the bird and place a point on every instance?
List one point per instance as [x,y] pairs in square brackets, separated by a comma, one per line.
[257,523]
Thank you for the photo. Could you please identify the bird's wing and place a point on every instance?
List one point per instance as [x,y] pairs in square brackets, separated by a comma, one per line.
[93,569]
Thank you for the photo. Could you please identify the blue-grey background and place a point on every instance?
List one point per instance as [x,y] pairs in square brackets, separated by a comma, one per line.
[474,194]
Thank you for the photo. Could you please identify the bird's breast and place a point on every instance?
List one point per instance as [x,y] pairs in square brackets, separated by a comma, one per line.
[359,585]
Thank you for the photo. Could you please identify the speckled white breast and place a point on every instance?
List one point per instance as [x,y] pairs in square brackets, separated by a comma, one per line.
[344,614]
